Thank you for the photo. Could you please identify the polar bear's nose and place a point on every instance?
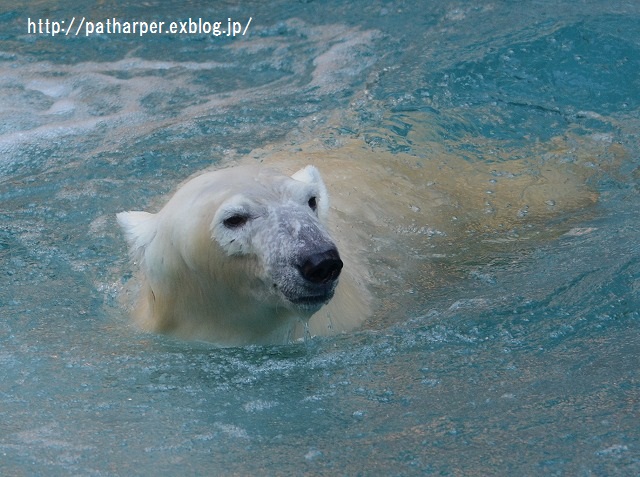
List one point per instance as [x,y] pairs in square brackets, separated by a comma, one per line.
[322,267]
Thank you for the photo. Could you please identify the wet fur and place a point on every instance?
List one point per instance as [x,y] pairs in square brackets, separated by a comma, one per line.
[200,280]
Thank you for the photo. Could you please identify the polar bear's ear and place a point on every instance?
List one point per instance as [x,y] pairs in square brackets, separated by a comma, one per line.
[311,175]
[139,230]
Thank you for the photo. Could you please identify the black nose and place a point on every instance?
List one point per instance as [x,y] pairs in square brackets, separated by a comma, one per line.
[322,267]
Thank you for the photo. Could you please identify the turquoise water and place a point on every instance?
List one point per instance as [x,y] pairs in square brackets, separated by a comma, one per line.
[521,361]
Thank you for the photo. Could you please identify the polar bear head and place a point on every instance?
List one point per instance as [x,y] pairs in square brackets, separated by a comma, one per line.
[236,256]
[278,223]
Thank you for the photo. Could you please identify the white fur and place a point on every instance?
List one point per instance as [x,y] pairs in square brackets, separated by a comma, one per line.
[201,278]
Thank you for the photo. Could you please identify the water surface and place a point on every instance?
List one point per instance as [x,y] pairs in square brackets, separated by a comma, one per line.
[520,354]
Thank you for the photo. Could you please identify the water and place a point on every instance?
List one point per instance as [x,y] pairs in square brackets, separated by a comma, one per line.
[519,351]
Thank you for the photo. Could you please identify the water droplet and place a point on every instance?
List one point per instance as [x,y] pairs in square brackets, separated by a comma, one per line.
[359,415]
[313,454]
[307,332]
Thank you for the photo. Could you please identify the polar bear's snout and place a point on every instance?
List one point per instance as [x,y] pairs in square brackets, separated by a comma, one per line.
[322,268]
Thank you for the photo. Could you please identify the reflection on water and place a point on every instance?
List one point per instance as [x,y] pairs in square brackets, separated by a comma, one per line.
[512,348]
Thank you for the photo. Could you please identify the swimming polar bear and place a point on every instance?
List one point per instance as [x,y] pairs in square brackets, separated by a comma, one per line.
[402,226]
[242,256]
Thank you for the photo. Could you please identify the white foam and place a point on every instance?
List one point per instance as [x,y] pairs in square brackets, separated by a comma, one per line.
[49,87]
[343,60]
[53,101]
[64,106]
[78,91]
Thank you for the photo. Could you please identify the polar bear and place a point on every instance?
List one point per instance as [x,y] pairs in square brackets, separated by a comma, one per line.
[253,253]
[242,256]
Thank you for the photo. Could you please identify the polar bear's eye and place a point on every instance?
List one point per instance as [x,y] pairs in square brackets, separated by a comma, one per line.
[313,203]
[235,221]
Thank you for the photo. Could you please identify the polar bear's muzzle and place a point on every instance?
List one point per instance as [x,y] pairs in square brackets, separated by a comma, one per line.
[318,272]
[321,267]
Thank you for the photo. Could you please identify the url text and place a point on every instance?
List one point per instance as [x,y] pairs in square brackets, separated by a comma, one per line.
[113,26]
